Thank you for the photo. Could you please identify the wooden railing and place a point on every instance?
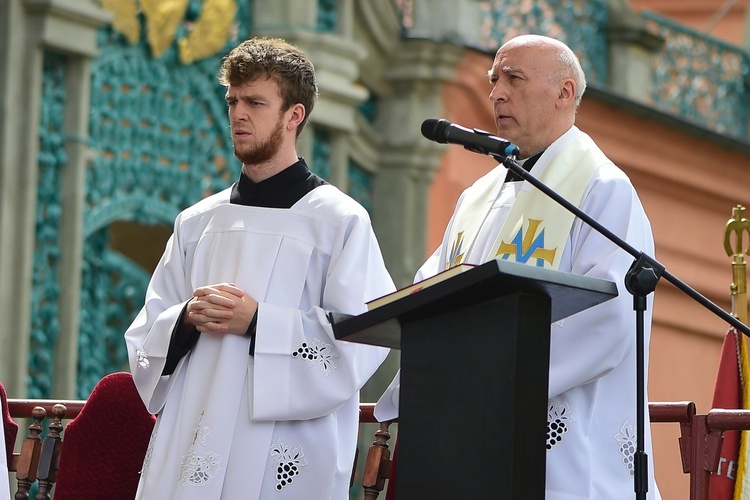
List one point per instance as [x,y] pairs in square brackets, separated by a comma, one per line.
[39,458]
[700,442]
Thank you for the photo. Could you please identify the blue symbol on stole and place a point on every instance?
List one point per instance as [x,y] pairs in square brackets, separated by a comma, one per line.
[527,246]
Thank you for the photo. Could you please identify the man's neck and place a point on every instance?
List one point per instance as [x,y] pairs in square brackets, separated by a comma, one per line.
[262,171]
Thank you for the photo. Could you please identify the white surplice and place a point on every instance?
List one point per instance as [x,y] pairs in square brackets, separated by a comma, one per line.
[592,380]
[282,423]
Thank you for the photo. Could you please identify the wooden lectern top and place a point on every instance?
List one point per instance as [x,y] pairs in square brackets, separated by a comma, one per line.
[569,294]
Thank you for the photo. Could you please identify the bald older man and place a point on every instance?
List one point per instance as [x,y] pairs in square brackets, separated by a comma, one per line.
[536,87]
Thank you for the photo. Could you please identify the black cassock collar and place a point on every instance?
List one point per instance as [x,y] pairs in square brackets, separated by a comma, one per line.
[511,176]
[278,191]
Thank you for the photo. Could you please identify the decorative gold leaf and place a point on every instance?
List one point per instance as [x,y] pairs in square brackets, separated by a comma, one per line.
[126,18]
[209,34]
[162,19]
[206,36]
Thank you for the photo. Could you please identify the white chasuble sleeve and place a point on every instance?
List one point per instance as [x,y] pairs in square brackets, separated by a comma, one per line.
[387,406]
[300,370]
[608,330]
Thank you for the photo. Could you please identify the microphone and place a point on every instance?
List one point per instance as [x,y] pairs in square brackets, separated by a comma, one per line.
[478,141]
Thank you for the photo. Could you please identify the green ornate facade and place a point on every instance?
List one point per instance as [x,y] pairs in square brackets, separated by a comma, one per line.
[45,325]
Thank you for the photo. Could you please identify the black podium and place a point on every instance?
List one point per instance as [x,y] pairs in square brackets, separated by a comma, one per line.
[474,376]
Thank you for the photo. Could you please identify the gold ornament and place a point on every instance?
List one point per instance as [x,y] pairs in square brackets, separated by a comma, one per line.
[126,18]
[162,19]
[205,37]
[210,32]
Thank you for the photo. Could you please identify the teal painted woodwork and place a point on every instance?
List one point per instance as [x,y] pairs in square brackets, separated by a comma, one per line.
[328,16]
[360,184]
[700,78]
[321,161]
[45,326]
[369,108]
[581,24]
[112,294]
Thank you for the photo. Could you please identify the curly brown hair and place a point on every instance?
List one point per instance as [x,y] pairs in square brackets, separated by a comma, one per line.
[273,58]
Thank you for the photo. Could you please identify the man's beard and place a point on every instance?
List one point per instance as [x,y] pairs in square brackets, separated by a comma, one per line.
[266,150]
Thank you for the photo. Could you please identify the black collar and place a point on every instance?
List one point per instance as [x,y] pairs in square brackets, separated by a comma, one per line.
[281,190]
[511,176]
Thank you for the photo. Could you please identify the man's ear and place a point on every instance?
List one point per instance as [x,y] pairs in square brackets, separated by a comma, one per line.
[567,93]
[296,116]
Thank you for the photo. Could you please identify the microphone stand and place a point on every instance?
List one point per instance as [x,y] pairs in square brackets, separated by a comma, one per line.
[640,280]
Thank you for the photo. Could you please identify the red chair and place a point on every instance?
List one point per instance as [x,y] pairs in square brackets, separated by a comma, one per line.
[104,446]
[9,426]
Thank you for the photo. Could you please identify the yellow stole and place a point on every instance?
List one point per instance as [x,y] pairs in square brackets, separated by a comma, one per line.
[536,229]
